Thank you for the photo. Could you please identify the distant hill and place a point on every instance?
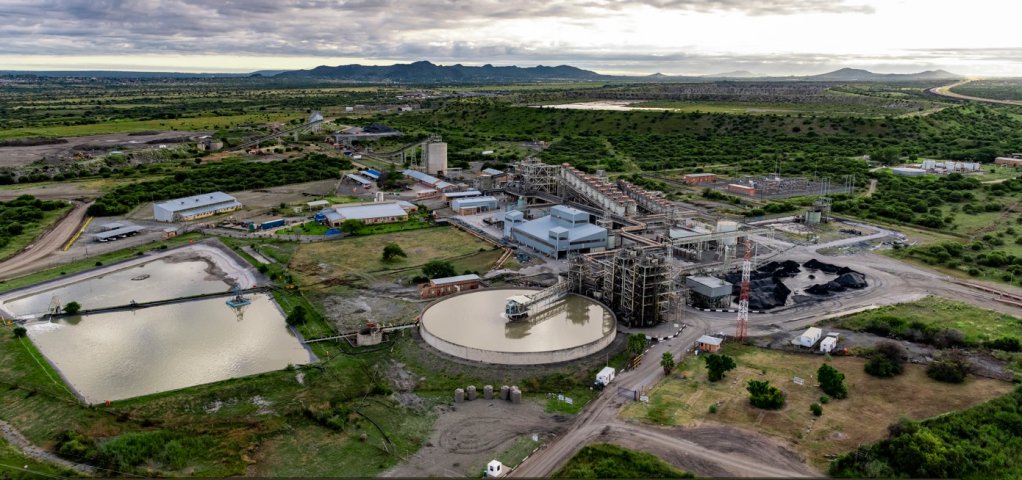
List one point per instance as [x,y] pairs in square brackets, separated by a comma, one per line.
[733,74]
[859,75]
[426,72]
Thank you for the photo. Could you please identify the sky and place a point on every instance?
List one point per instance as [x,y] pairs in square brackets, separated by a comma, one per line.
[675,37]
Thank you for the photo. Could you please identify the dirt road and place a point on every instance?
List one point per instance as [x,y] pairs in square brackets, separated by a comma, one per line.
[15,438]
[51,241]
[945,91]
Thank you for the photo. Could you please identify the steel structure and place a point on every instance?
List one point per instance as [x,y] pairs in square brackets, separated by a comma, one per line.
[533,176]
[742,329]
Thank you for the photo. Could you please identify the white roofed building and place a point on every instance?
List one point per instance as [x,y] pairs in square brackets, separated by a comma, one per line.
[369,214]
[566,229]
[194,207]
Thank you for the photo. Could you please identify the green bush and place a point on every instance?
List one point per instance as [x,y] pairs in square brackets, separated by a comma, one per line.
[824,399]
[713,408]
[603,460]
[816,409]
[886,361]
[832,382]
[20,332]
[1007,344]
[765,396]
[717,365]
[949,368]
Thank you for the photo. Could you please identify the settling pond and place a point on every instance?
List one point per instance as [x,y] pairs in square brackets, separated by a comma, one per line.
[129,353]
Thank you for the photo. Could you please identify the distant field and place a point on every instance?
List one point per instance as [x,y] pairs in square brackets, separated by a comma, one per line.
[198,123]
[1005,89]
[872,404]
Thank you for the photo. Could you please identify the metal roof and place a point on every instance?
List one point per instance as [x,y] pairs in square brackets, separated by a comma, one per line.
[492,171]
[473,202]
[111,226]
[359,179]
[712,282]
[541,228]
[700,174]
[466,193]
[318,203]
[372,210]
[710,340]
[421,177]
[119,231]
[456,279]
[440,185]
[196,202]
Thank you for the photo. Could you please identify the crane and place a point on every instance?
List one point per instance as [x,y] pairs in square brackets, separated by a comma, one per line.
[742,329]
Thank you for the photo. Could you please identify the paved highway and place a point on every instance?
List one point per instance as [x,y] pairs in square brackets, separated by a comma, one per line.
[945,91]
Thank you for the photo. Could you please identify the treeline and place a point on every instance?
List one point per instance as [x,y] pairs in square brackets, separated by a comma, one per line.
[659,140]
[21,213]
[979,443]
[915,200]
[227,177]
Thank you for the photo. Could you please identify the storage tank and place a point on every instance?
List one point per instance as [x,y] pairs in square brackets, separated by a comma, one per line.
[908,171]
[436,158]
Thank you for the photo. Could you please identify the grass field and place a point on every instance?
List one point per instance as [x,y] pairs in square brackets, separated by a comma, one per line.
[362,255]
[197,123]
[976,323]
[603,460]
[15,465]
[32,232]
[872,403]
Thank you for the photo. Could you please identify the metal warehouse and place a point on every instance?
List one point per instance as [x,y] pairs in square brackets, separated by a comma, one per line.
[196,206]
[369,214]
[468,206]
[566,229]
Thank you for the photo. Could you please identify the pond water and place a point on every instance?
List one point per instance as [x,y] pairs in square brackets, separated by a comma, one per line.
[157,280]
[113,356]
[477,320]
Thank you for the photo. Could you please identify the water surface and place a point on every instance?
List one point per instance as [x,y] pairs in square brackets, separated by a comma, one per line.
[477,320]
[112,356]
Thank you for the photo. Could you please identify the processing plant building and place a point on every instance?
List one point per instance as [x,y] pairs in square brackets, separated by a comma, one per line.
[195,207]
[565,230]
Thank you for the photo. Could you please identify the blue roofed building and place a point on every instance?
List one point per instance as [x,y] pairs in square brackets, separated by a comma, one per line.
[566,229]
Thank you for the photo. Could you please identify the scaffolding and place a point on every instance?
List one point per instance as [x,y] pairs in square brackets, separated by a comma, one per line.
[534,176]
[637,285]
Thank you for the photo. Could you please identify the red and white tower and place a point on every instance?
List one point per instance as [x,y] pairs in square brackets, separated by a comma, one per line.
[742,330]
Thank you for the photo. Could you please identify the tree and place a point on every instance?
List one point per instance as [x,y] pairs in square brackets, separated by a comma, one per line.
[20,332]
[717,365]
[816,409]
[636,343]
[832,382]
[392,251]
[887,361]
[438,269]
[351,226]
[667,361]
[72,308]
[763,395]
[297,316]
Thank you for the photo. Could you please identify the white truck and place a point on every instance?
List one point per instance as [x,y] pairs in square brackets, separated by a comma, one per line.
[604,377]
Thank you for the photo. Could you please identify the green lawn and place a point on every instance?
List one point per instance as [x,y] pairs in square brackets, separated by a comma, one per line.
[976,323]
[307,228]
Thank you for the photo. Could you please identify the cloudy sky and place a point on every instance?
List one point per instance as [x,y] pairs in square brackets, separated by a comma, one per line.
[777,37]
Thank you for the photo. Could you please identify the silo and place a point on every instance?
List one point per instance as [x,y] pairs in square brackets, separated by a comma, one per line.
[436,158]
[459,395]
[471,392]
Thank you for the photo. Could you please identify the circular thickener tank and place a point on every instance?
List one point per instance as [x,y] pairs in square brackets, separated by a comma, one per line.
[472,326]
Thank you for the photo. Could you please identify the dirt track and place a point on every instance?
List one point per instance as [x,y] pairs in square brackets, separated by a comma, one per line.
[51,241]
[945,91]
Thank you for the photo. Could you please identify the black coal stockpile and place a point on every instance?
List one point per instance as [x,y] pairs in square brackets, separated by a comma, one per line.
[815,264]
[847,278]
[766,290]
